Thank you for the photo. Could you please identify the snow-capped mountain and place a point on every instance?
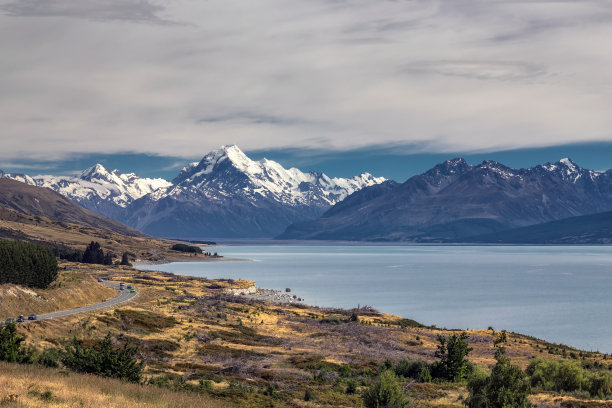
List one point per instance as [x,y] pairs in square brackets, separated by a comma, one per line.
[455,200]
[227,194]
[97,189]
[229,171]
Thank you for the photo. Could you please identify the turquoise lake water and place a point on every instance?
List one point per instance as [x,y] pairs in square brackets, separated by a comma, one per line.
[561,294]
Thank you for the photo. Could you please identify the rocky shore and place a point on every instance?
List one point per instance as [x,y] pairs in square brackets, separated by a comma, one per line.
[266,295]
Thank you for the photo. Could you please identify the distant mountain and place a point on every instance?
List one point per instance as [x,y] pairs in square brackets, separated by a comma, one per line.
[454,201]
[227,194]
[97,189]
[39,201]
[585,229]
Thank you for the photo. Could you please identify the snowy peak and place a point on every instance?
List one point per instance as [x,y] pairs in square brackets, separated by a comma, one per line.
[97,171]
[228,171]
[96,188]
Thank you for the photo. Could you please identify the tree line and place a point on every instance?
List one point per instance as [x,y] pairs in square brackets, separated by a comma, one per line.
[93,254]
[27,264]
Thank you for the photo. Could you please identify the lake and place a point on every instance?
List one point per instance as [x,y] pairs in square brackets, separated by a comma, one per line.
[557,293]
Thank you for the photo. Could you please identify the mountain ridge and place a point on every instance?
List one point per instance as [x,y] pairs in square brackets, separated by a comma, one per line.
[225,194]
[455,200]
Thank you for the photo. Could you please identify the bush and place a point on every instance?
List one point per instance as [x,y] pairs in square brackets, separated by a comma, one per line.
[351,387]
[49,358]
[568,376]
[103,359]
[385,392]
[11,346]
[187,248]
[507,386]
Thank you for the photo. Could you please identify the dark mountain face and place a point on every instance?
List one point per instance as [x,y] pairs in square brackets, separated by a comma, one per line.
[41,201]
[455,200]
[228,195]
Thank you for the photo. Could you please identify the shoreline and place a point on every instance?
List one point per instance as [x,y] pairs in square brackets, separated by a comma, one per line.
[166,261]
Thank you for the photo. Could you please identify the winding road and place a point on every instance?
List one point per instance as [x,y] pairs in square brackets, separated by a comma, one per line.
[124,296]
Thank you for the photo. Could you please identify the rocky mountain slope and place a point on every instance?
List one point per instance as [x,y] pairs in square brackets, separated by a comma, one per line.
[455,200]
[226,194]
[97,189]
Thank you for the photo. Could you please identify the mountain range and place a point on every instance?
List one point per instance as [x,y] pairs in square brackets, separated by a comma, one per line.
[225,195]
[459,202]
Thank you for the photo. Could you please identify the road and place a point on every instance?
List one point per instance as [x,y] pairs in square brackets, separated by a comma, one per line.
[124,296]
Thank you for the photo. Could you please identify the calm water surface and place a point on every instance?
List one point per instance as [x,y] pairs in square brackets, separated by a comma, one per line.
[561,294]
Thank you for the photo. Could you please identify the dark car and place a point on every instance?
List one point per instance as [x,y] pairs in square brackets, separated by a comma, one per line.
[100,280]
[9,320]
[129,287]
[32,317]
[20,319]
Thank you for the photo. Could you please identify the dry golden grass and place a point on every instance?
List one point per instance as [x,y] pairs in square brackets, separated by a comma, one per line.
[31,386]
[72,289]
[186,327]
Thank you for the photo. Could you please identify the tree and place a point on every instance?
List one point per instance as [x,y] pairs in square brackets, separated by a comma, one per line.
[385,393]
[125,260]
[93,254]
[27,264]
[453,352]
[507,386]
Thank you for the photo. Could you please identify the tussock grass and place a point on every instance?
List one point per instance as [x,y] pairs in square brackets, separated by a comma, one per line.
[31,386]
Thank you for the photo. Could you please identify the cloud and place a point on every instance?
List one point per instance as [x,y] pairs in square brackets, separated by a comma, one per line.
[436,75]
[129,10]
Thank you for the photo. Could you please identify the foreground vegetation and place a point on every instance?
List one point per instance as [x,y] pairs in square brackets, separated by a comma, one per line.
[194,337]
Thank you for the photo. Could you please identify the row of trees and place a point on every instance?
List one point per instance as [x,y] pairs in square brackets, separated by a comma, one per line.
[27,264]
[93,254]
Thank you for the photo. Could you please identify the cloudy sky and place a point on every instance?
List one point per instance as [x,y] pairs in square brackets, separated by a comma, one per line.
[303,80]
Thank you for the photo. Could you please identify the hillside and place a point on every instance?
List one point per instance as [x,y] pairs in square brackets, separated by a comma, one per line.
[258,354]
[586,229]
[32,386]
[44,202]
[455,201]
[42,230]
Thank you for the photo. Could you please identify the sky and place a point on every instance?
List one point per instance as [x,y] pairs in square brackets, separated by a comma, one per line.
[390,87]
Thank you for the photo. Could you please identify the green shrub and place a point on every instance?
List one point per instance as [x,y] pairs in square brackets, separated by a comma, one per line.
[308,395]
[103,359]
[385,392]
[11,346]
[351,387]
[49,358]
[452,352]
[507,387]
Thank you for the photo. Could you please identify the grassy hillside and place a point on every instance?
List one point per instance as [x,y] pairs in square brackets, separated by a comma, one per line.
[253,353]
[32,386]
[44,202]
[39,229]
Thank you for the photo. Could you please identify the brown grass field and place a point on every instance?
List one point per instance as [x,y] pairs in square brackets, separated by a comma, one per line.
[33,386]
[252,353]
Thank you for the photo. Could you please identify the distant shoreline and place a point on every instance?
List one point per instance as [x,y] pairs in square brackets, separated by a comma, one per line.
[190,259]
